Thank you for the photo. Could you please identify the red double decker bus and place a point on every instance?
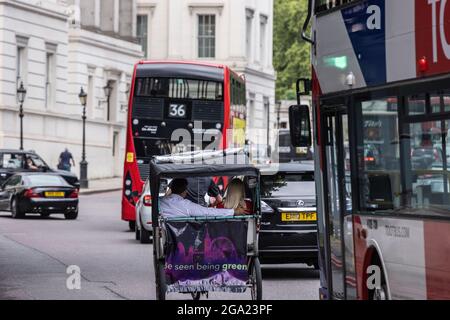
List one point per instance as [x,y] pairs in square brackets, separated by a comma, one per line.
[381,109]
[179,106]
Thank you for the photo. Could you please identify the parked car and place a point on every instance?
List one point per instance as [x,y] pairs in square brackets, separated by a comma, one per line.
[144,228]
[14,161]
[38,193]
[289,217]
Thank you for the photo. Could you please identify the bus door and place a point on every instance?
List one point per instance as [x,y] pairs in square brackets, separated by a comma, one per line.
[337,211]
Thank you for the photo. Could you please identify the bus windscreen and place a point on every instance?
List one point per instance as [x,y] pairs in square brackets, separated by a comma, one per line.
[176,88]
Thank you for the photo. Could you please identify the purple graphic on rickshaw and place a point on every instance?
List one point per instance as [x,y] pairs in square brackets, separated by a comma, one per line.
[208,256]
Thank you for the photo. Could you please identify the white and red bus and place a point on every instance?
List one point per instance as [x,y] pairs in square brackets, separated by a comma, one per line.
[381,115]
[179,104]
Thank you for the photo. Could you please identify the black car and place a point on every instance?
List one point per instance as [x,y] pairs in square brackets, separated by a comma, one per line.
[287,152]
[14,161]
[289,218]
[38,193]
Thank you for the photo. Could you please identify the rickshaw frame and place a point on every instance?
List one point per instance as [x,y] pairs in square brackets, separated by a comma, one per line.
[204,164]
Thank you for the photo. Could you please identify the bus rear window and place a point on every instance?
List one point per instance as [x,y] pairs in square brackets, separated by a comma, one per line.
[324,5]
[179,89]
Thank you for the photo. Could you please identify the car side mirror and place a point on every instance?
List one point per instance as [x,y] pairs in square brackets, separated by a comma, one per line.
[300,126]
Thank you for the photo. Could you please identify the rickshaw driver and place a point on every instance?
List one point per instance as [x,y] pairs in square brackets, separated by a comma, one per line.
[175,205]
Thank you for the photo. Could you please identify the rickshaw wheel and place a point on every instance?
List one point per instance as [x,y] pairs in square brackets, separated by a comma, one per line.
[256,279]
[160,279]
[196,296]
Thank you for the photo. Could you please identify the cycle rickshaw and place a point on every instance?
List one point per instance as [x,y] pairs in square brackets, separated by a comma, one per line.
[209,254]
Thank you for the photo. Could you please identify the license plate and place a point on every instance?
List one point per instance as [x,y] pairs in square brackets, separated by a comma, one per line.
[300,150]
[302,216]
[54,194]
[285,149]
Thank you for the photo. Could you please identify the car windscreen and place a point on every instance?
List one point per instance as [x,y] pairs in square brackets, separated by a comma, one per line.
[11,161]
[46,180]
[288,184]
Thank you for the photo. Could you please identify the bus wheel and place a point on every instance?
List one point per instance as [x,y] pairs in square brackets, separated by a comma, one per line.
[132,225]
[379,293]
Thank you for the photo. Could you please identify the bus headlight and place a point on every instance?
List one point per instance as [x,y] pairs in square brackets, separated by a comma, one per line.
[128,182]
[128,193]
[135,122]
[218,126]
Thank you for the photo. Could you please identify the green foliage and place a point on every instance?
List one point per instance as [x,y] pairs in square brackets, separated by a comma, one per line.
[291,53]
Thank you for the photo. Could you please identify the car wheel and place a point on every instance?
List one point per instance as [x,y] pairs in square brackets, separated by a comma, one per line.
[145,236]
[71,215]
[137,233]
[15,210]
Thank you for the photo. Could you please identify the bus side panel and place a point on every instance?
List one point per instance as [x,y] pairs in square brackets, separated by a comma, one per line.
[400,245]
[131,171]
[437,259]
[322,233]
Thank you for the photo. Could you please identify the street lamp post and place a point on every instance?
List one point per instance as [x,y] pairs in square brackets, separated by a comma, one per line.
[21,93]
[108,90]
[84,183]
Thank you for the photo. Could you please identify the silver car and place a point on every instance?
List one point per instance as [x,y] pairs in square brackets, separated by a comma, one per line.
[144,228]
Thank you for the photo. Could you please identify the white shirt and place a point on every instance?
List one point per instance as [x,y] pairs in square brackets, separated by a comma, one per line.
[175,206]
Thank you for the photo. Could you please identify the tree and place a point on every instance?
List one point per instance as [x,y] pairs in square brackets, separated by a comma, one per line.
[291,53]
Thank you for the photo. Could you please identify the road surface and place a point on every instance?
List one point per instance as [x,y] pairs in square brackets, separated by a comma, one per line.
[36,252]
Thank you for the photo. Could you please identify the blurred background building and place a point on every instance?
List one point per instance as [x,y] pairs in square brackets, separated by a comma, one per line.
[237,33]
[55,47]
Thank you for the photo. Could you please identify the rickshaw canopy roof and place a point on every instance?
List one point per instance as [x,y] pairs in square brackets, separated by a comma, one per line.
[203,164]
[170,170]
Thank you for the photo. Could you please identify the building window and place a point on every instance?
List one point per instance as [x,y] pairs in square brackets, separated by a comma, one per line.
[91,95]
[249,33]
[206,36]
[251,111]
[142,32]
[20,66]
[49,79]
[263,39]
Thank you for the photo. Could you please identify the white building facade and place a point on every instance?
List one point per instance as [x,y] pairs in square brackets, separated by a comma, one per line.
[237,33]
[55,47]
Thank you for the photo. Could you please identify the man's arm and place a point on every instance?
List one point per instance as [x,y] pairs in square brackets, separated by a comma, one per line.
[73,160]
[196,210]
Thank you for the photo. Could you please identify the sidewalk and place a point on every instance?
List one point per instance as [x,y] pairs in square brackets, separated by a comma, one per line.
[103,185]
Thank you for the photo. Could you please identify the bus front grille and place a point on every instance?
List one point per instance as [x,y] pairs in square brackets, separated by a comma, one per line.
[148,108]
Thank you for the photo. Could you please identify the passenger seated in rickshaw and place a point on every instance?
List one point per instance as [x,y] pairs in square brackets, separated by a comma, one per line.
[235,197]
[174,204]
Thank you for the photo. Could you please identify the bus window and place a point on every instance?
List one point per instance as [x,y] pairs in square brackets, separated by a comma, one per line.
[179,89]
[430,160]
[324,5]
[416,105]
[379,156]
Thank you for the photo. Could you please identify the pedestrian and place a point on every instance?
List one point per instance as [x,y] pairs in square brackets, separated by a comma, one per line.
[64,160]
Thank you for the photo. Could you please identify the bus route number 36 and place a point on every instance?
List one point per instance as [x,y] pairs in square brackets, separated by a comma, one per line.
[177,111]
